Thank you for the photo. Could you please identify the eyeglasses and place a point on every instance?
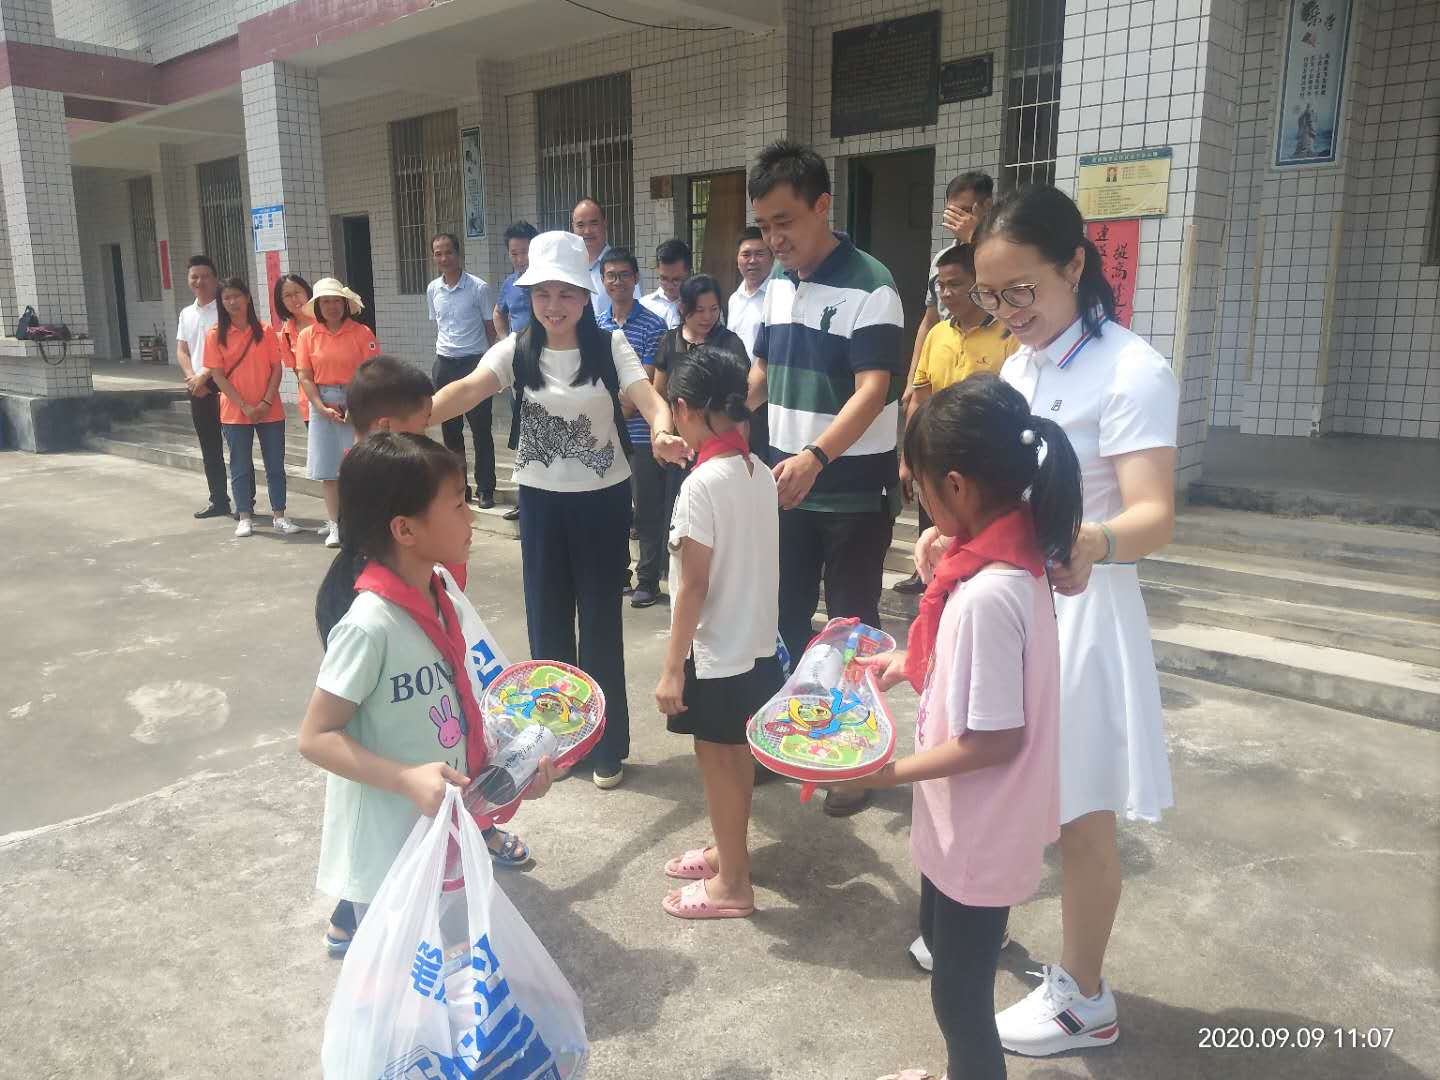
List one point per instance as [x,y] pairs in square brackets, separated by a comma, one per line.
[1015,296]
[618,277]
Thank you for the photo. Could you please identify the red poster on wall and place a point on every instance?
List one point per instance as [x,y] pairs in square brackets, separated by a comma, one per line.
[1119,245]
[272,275]
[164,264]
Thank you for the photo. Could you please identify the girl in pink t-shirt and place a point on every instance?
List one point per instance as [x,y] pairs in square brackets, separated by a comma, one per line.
[984,655]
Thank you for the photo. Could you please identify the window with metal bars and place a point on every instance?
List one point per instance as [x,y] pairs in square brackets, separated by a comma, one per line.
[1032,91]
[224,230]
[583,150]
[142,230]
[425,173]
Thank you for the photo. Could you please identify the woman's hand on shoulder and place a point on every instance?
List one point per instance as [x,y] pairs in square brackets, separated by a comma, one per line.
[424,785]
[888,668]
[929,549]
[670,448]
[1072,580]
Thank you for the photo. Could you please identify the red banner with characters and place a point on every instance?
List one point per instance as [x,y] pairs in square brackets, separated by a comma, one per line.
[1119,245]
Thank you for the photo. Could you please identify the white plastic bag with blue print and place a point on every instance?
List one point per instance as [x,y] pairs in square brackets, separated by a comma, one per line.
[486,660]
[444,980]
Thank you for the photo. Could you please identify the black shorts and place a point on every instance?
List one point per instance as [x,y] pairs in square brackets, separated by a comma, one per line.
[716,710]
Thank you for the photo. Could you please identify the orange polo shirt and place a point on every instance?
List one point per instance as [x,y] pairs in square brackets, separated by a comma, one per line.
[331,356]
[288,335]
[249,366]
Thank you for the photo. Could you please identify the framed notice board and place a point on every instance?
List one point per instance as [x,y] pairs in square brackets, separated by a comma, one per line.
[885,75]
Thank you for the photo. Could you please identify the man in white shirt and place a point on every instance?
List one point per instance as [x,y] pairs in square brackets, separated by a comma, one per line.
[195,321]
[754,261]
[672,264]
[461,307]
[588,222]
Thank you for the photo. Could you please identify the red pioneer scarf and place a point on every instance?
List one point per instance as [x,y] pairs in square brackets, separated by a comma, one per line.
[1009,539]
[734,439]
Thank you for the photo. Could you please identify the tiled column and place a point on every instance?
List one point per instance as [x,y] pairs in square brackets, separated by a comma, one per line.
[43,241]
[286,167]
[488,257]
[778,70]
[1153,73]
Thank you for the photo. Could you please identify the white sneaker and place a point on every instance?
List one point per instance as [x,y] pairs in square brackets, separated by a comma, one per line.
[332,534]
[1056,1016]
[921,955]
[244,528]
[285,526]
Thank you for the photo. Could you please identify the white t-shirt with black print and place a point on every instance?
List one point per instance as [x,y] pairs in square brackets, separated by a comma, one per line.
[568,440]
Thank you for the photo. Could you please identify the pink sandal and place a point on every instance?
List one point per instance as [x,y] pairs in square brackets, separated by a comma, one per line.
[694,902]
[690,867]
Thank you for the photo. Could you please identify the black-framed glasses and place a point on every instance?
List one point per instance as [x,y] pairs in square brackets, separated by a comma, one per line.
[1015,296]
[618,277]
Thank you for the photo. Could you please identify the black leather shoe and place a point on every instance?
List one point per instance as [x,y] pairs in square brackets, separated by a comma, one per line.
[513,514]
[487,500]
[213,511]
[911,586]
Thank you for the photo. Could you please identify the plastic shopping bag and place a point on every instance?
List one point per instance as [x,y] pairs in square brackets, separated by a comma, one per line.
[445,981]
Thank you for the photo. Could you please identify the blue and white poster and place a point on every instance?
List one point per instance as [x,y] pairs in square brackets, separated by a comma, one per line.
[1308,129]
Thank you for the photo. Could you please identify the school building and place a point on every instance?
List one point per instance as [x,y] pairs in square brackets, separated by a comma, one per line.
[1286,255]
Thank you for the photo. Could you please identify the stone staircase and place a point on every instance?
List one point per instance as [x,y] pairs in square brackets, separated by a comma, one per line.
[1314,609]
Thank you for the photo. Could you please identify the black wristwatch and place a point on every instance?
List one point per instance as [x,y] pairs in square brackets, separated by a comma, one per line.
[820,455]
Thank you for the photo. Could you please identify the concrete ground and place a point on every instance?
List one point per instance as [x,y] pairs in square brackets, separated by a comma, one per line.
[158,837]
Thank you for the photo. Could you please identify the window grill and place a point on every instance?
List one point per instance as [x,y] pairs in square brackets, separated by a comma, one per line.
[583,150]
[1032,91]
[425,170]
[224,229]
[142,229]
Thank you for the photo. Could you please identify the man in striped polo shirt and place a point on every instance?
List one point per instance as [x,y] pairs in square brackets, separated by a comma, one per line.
[828,359]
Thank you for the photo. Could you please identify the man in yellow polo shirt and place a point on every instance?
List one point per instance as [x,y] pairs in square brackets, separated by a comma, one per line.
[968,342]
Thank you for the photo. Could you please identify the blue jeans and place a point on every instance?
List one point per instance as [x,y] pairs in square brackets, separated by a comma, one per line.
[574,552]
[239,438]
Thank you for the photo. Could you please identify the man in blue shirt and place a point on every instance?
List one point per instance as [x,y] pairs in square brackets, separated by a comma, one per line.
[461,306]
[512,310]
[643,329]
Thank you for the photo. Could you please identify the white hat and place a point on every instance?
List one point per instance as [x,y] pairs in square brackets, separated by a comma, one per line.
[329,286]
[558,256]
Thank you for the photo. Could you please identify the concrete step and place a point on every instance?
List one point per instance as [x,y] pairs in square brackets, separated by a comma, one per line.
[1365,509]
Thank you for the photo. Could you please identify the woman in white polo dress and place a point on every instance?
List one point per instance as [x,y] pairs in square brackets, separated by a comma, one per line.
[1118,402]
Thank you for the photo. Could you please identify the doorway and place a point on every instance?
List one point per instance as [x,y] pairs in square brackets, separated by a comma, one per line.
[890,214]
[359,269]
[119,321]
[716,209]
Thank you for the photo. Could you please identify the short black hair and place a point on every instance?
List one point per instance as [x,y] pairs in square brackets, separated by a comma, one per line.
[621,255]
[521,230]
[980,183]
[384,386]
[696,287]
[454,240]
[202,260]
[672,251]
[786,162]
[961,255]
[750,232]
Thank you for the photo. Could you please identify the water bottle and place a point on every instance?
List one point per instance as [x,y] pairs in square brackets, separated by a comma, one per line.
[503,779]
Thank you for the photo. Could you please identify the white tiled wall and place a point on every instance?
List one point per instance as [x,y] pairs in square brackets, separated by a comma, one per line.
[164,29]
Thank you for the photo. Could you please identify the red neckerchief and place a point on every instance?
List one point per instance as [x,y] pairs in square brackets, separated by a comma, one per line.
[734,439]
[1009,539]
[445,635]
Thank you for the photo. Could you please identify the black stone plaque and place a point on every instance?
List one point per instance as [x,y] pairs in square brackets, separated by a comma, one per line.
[967,78]
[885,75]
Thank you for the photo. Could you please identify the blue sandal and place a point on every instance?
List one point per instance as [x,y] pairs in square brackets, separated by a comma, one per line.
[512,851]
[336,947]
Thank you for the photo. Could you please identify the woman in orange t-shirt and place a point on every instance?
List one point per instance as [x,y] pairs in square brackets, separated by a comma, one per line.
[292,293]
[327,353]
[246,365]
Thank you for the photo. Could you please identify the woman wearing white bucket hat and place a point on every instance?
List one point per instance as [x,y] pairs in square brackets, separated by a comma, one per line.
[327,353]
[571,466]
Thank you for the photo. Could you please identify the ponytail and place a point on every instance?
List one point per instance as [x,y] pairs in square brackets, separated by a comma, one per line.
[1056,499]
[337,591]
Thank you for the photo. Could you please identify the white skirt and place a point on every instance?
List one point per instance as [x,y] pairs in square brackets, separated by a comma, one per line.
[1112,733]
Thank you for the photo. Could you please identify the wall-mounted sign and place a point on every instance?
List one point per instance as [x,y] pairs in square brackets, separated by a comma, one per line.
[267,225]
[1124,184]
[1119,245]
[473,181]
[885,75]
[967,78]
[1307,125]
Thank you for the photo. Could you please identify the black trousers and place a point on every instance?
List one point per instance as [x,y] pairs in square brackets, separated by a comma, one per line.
[651,519]
[845,552]
[574,550]
[205,415]
[965,944]
[447,370]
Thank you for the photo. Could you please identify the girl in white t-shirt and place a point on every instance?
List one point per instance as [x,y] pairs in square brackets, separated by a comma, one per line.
[395,715]
[984,653]
[720,665]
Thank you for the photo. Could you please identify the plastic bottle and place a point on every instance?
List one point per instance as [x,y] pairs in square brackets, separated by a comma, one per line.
[503,779]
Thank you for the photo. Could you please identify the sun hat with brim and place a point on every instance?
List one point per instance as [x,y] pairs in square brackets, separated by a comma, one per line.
[329,286]
[558,256]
